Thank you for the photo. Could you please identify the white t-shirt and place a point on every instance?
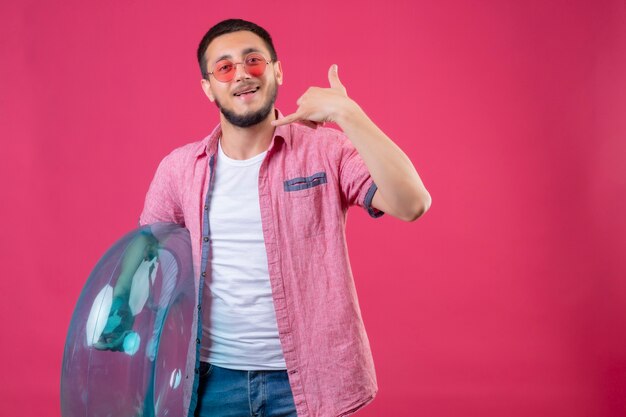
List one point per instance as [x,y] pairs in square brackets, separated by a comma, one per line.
[242,332]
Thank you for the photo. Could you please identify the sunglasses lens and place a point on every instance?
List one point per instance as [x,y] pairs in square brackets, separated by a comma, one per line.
[224,70]
[255,65]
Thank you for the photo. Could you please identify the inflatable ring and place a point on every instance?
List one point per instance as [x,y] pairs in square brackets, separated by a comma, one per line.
[128,339]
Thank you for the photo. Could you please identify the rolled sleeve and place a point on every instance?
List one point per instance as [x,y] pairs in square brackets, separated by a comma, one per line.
[367,200]
[356,183]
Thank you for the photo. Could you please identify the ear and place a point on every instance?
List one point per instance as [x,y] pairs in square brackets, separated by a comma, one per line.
[206,86]
[278,70]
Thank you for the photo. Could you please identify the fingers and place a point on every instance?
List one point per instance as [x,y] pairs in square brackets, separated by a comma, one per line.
[296,117]
[314,96]
[333,78]
[310,123]
[286,120]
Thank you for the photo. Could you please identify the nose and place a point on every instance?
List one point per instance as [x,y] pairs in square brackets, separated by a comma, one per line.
[240,71]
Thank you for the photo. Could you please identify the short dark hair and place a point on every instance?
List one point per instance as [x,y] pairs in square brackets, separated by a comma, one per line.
[229,26]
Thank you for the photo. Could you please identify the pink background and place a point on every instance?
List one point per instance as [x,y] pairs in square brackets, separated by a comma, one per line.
[508,298]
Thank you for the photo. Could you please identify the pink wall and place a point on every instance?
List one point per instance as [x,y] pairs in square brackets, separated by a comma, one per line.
[508,298]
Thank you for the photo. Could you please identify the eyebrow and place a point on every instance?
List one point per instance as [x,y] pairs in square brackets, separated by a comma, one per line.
[244,52]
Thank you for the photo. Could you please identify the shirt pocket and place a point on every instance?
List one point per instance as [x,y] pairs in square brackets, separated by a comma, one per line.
[302,186]
[305,197]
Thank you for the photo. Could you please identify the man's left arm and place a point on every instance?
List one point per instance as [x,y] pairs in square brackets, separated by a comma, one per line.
[401,192]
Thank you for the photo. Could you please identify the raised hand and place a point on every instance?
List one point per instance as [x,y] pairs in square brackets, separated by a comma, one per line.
[319,105]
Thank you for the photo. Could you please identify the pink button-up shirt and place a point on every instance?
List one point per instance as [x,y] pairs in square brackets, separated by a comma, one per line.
[307,181]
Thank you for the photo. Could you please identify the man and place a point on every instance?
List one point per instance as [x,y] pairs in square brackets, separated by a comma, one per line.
[279,330]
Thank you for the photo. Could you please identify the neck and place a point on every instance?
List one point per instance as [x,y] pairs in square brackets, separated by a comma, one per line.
[246,142]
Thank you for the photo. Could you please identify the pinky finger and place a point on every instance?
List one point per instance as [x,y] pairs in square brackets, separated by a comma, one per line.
[286,120]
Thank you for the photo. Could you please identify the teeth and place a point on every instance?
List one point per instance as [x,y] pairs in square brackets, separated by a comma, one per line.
[248,91]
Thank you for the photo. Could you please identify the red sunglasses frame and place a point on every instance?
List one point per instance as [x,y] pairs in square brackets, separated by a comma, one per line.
[253,69]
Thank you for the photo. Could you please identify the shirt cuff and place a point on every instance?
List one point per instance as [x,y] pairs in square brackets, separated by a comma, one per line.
[367,202]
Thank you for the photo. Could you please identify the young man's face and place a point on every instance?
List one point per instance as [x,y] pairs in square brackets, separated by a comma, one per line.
[243,110]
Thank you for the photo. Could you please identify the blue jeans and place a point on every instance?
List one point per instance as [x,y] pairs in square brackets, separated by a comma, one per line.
[231,393]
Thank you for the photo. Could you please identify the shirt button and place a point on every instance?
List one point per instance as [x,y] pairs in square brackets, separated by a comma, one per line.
[197,341]
[199,307]
[206,207]
[204,274]
[206,238]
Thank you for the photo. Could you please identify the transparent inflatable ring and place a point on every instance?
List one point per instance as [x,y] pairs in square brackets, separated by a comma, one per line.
[128,339]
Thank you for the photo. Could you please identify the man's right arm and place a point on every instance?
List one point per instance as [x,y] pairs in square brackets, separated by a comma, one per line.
[163,199]
[162,204]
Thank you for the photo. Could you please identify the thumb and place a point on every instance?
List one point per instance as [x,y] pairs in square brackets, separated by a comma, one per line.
[333,78]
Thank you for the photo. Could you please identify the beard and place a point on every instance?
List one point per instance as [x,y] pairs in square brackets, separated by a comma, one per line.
[251,118]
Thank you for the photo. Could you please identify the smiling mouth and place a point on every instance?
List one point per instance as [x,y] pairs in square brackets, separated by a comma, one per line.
[250,91]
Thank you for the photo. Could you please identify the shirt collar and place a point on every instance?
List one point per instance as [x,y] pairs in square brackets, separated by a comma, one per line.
[208,146]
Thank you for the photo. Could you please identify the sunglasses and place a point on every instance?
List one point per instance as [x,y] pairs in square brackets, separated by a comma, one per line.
[254,64]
